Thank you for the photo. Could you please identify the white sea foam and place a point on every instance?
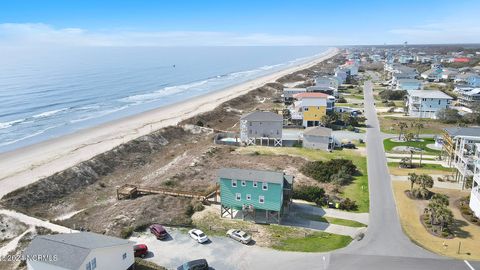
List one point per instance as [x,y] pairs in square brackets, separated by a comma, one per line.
[49,113]
[10,123]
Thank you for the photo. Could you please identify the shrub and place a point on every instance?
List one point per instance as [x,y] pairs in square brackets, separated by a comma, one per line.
[341,100]
[189,211]
[445,234]
[466,212]
[126,232]
[393,94]
[348,205]
[309,193]
[421,193]
[199,123]
[323,171]
[141,227]
[169,183]
[449,116]
[391,104]
[351,128]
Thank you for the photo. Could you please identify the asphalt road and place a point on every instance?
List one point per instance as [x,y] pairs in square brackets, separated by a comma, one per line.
[385,246]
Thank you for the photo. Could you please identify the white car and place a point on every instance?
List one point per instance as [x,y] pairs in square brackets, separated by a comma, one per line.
[198,235]
[239,235]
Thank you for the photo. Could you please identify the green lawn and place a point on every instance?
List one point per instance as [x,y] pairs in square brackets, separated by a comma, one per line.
[314,242]
[357,190]
[332,220]
[389,124]
[435,167]
[389,145]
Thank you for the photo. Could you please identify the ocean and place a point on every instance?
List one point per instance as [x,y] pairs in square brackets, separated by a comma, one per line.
[46,93]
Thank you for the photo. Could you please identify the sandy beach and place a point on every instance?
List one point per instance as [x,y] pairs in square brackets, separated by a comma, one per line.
[27,165]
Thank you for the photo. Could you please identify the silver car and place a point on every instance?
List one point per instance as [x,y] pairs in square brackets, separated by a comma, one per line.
[239,235]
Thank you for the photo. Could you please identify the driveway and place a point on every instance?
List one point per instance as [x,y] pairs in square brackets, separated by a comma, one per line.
[341,135]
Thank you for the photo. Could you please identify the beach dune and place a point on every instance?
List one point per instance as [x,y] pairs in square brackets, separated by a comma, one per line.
[26,165]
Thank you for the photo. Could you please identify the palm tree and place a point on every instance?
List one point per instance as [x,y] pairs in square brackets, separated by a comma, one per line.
[441,199]
[418,126]
[425,181]
[445,217]
[409,136]
[345,118]
[413,179]
[401,126]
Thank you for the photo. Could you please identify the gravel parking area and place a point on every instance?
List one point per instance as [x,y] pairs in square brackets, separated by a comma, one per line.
[220,252]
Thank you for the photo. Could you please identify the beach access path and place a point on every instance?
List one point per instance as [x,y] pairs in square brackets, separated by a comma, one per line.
[26,165]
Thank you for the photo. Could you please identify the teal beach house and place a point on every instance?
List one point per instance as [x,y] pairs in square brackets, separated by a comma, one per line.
[254,194]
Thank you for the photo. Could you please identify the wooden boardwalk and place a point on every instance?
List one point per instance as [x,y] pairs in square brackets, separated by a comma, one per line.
[128,191]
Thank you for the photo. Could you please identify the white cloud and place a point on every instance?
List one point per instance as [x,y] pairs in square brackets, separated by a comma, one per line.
[38,34]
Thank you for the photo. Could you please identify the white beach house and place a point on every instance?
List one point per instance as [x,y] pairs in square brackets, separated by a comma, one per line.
[83,251]
[426,103]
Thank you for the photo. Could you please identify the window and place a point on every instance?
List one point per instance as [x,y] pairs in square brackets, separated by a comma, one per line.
[244,183]
[255,184]
[124,256]
[88,266]
[261,199]
[238,196]
[306,109]
[250,123]
[234,183]
[94,263]
[249,197]
[264,186]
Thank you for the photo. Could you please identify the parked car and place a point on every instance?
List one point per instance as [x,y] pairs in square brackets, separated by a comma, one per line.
[198,235]
[158,231]
[140,250]
[239,235]
[200,264]
[349,145]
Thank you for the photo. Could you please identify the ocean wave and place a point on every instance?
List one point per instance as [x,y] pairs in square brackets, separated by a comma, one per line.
[166,91]
[207,84]
[49,113]
[10,123]
[98,114]
[28,136]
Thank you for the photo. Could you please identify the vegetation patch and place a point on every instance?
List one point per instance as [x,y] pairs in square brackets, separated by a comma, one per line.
[332,220]
[314,242]
[467,213]
[437,217]
[141,264]
[388,144]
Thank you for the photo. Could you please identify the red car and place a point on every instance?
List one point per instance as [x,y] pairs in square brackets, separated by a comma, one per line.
[158,231]
[140,250]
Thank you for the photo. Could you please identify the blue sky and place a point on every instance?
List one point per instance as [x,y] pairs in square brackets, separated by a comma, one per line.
[172,23]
